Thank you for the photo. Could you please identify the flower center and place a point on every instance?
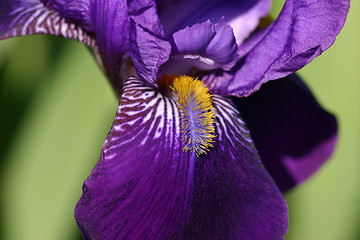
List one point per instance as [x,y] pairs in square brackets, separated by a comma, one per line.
[197,117]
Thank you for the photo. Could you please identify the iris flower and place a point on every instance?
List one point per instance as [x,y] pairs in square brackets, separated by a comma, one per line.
[179,161]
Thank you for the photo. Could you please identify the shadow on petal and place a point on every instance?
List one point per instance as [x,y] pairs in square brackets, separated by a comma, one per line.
[234,197]
[293,134]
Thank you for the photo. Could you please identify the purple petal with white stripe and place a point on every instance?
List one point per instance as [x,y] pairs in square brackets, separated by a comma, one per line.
[213,44]
[76,11]
[26,17]
[140,187]
[293,133]
[145,187]
[303,30]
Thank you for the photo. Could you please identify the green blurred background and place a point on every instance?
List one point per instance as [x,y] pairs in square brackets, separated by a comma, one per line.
[56,108]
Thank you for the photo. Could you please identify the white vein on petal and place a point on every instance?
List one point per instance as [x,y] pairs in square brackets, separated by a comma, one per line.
[36,19]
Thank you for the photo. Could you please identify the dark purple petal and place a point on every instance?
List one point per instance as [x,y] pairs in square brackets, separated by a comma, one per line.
[145,187]
[243,16]
[234,197]
[304,29]
[293,134]
[26,17]
[148,47]
[213,44]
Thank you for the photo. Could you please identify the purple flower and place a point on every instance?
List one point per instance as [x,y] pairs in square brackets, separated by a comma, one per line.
[179,161]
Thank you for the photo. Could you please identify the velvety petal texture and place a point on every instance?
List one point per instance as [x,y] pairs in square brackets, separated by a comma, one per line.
[213,44]
[234,198]
[293,134]
[26,17]
[303,30]
[146,187]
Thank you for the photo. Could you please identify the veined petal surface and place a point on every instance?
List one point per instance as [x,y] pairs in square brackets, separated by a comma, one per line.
[76,11]
[293,133]
[26,17]
[139,188]
[303,30]
[145,187]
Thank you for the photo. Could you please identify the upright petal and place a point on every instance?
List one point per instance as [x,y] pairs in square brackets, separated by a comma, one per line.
[303,30]
[243,16]
[110,22]
[26,17]
[213,44]
[145,187]
[148,52]
[293,134]
[148,47]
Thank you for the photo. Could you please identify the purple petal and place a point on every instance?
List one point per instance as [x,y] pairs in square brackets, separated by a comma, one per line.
[110,22]
[144,13]
[145,187]
[293,134]
[26,17]
[139,188]
[245,23]
[148,47]
[76,11]
[304,29]
[212,44]
[148,52]
[243,16]
[234,197]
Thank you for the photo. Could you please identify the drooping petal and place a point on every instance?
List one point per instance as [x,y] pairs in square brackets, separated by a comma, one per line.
[243,16]
[145,187]
[293,134]
[139,188]
[26,17]
[234,197]
[303,30]
[148,47]
[213,44]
